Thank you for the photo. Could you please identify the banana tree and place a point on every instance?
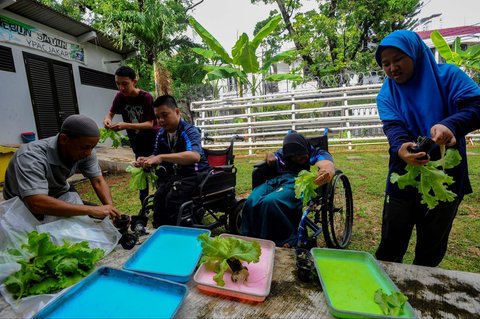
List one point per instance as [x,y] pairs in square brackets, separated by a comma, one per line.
[243,63]
[468,58]
[155,28]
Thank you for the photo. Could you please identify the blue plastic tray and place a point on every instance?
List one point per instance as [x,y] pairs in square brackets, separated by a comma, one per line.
[172,253]
[114,293]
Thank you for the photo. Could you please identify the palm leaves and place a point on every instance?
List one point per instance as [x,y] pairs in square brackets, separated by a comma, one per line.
[243,63]
[468,58]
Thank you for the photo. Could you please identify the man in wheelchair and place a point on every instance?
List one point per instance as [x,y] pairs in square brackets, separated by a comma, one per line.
[178,150]
[272,211]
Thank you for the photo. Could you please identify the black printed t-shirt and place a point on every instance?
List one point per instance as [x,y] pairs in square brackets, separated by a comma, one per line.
[137,109]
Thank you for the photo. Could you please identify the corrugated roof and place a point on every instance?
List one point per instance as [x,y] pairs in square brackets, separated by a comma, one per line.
[40,13]
[452,32]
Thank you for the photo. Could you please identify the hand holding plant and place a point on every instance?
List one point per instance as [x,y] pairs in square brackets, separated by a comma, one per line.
[430,181]
[141,177]
[305,186]
[116,137]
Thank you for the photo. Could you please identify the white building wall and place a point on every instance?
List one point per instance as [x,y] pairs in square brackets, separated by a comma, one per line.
[15,104]
[94,101]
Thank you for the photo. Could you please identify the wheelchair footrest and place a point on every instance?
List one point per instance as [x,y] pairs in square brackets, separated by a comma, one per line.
[305,265]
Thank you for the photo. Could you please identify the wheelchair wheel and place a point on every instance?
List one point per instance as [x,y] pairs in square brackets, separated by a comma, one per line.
[235,217]
[337,216]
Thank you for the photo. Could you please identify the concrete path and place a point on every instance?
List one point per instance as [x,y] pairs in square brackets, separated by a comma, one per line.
[114,159]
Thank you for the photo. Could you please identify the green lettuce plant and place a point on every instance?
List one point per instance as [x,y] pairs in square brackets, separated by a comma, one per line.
[305,187]
[392,304]
[140,178]
[116,137]
[49,267]
[222,253]
[430,181]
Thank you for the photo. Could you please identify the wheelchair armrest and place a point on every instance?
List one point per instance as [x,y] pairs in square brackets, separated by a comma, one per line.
[260,164]
[225,168]
[261,173]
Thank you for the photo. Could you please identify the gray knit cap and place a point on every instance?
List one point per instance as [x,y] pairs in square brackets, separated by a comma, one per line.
[80,125]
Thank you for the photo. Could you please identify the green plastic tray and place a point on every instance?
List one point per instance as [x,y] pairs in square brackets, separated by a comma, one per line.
[349,280]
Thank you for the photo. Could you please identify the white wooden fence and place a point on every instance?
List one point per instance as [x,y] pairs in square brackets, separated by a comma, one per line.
[261,122]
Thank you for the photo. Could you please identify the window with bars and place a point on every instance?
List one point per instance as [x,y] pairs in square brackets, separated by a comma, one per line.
[97,78]
[6,59]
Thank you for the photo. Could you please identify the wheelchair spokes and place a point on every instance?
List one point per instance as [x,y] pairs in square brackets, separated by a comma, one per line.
[235,218]
[340,215]
[213,204]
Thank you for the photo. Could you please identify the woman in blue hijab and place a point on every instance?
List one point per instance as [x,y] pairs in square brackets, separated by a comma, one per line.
[421,98]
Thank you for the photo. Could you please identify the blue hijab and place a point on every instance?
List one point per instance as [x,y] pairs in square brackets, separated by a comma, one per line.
[430,95]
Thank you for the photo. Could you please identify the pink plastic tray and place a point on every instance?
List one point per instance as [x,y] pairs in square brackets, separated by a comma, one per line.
[259,281]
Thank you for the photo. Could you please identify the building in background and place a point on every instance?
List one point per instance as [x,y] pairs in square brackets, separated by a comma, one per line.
[469,35]
[51,66]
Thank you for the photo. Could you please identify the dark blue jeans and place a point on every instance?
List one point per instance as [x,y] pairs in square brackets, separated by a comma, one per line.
[172,192]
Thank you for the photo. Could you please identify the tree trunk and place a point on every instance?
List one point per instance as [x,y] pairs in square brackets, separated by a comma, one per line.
[332,44]
[240,88]
[292,32]
[163,83]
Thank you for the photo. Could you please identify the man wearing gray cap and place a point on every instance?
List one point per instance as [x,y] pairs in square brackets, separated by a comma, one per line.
[38,172]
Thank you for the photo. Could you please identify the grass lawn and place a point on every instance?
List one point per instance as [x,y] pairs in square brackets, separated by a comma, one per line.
[367,171]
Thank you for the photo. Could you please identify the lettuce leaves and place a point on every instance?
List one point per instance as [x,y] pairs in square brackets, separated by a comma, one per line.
[305,187]
[141,178]
[219,252]
[430,181]
[116,137]
[49,267]
[392,304]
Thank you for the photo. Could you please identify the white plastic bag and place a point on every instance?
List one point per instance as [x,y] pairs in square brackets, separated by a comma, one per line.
[27,307]
[16,222]
[99,233]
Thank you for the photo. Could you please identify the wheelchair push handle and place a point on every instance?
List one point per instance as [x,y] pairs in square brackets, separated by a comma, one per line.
[232,139]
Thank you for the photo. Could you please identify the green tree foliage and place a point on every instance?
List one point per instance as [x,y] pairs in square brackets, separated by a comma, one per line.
[341,34]
[154,27]
[73,8]
[187,80]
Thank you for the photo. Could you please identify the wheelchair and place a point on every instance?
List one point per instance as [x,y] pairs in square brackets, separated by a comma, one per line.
[213,203]
[330,212]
